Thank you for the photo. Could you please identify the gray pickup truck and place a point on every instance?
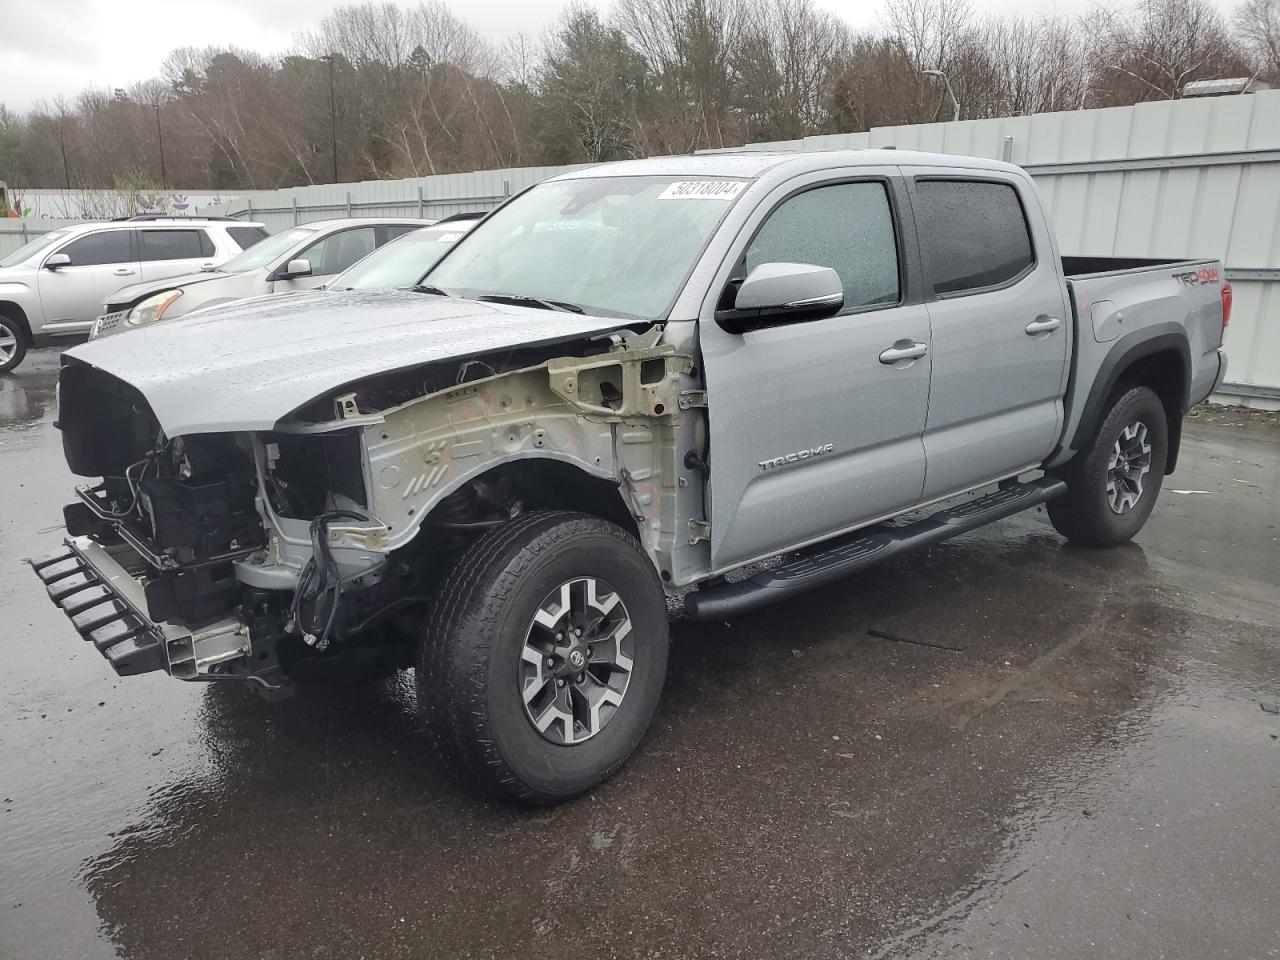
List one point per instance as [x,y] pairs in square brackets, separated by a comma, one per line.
[623,386]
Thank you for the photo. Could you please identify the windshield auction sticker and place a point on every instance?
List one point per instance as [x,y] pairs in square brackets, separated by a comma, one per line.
[702,190]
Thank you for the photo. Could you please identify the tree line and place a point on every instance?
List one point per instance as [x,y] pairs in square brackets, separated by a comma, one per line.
[381,91]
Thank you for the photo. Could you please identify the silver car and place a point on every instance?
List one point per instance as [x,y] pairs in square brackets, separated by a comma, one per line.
[405,262]
[299,258]
[53,287]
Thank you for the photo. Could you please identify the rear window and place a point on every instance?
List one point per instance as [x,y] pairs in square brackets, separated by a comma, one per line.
[175,245]
[974,234]
[246,237]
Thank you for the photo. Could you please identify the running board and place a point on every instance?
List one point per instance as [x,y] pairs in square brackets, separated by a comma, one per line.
[826,562]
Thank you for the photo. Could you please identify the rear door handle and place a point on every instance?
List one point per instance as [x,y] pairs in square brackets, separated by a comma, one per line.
[122,272]
[1043,325]
[896,354]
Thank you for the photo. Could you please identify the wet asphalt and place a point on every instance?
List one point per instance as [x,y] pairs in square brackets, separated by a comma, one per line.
[1055,753]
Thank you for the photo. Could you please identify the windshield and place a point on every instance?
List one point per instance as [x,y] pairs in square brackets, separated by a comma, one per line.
[26,251]
[265,251]
[614,246]
[402,262]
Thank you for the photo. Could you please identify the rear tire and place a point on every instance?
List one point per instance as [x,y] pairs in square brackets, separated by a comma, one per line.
[1112,485]
[13,343]
[544,656]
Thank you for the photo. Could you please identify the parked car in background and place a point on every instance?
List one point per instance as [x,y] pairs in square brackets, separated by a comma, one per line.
[299,258]
[405,262]
[54,286]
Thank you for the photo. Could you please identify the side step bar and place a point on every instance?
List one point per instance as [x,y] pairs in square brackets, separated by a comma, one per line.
[826,562]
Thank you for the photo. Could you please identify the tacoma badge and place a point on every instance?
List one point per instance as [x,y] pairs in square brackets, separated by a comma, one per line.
[797,456]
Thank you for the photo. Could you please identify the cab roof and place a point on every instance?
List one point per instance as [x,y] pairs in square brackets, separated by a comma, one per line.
[752,164]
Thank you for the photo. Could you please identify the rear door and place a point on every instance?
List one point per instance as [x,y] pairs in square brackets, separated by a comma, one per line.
[171,252]
[101,263]
[999,316]
[813,427]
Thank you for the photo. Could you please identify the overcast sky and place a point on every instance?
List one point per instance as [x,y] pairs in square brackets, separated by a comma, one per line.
[61,47]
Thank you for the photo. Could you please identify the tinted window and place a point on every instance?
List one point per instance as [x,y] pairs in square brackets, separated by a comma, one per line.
[394,230]
[175,245]
[109,246]
[848,227]
[974,235]
[335,253]
[246,237]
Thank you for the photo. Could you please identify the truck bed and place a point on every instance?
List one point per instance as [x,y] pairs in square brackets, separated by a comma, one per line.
[1080,267]
[1115,300]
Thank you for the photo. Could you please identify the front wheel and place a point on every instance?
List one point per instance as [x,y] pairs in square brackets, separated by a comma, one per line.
[544,656]
[1112,485]
[13,344]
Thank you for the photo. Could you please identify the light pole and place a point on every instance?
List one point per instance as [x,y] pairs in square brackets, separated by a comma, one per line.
[164,181]
[955,104]
[333,118]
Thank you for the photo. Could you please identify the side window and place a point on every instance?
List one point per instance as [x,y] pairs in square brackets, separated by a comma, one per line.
[974,234]
[846,226]
[246,237]
[394,230]
[335,253]
[175,245]
[108,246]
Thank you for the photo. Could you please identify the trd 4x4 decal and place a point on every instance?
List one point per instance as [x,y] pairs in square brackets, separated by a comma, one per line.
[1193,278]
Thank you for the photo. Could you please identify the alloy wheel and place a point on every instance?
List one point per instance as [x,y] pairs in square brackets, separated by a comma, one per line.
[1128,466]
[576,660]
[8,342]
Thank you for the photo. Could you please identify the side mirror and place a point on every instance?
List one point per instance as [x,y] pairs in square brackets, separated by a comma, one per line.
[57,260]
[301,267]
[790,290]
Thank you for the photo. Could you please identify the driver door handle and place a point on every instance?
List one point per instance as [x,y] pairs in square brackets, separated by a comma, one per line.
[896,354]
[122,272]
[1043,325]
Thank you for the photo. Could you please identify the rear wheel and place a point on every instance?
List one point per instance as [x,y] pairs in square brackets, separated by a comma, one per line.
[543,660]
[1112,485]
[13,343]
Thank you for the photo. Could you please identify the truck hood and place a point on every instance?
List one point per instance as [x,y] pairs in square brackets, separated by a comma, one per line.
[244,366]
[119,299]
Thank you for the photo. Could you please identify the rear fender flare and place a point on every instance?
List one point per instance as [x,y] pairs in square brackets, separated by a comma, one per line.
[1128,351]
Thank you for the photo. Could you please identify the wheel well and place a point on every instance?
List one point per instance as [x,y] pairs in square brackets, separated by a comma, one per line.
[499,495]
[14,312]
[1165,373]
[556,485]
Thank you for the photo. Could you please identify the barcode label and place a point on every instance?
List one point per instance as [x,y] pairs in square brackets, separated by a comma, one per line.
[702,190]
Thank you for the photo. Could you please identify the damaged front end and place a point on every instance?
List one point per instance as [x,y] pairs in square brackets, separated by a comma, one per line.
[257,555]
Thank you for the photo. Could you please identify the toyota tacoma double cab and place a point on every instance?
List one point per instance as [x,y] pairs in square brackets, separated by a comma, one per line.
[626,385]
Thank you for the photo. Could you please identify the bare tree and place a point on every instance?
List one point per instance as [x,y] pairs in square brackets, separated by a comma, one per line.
[1258,24]
[783,57]
[1153,50]
[689,47]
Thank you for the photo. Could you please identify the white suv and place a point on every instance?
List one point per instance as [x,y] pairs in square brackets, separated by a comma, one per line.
[54,286]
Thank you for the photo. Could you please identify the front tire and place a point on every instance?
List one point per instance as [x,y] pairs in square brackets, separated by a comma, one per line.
[1112,485]
[13,343]
[544,657]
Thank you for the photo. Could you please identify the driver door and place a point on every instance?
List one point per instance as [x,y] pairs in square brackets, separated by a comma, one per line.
[814,428]
[101,263]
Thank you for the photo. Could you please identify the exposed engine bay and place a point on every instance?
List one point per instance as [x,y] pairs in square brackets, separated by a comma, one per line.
[322,540]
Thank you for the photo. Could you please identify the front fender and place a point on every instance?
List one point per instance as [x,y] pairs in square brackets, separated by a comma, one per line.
[426,449]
